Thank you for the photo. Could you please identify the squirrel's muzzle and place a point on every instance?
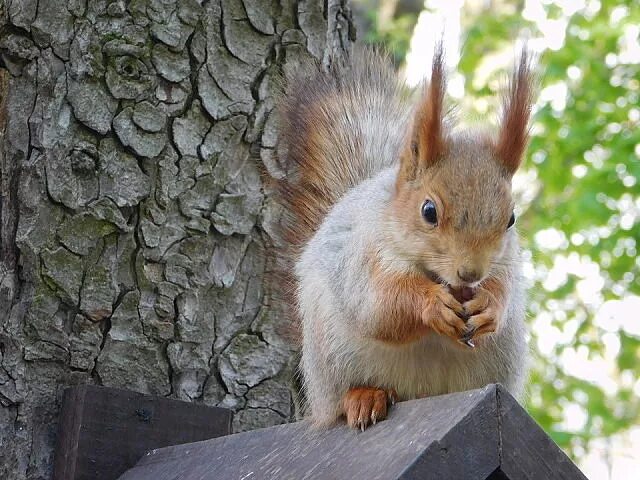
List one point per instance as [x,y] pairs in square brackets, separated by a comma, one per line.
[469,275]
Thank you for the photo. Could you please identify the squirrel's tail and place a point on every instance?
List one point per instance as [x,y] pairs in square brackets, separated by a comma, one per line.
[339,127]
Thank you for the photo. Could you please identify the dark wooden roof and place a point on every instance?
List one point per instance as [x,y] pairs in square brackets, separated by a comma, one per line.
[103,431]
[479,434]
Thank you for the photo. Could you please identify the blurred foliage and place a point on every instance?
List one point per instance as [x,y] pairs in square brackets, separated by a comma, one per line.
[393,32]
[584,167]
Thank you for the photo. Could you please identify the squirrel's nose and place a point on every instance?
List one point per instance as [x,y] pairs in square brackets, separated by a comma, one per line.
[469,276]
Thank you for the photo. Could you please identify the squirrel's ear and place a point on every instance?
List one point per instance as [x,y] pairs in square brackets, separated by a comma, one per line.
[516,110]
[427,141]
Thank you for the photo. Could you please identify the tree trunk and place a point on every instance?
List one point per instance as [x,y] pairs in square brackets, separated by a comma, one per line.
[135,228]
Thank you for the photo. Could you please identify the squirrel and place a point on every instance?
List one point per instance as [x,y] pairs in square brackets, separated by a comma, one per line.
[404,253]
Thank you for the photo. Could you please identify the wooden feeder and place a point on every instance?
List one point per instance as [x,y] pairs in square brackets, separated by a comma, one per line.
[476,435]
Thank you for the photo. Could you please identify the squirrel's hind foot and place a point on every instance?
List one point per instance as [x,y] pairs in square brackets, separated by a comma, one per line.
[367,405]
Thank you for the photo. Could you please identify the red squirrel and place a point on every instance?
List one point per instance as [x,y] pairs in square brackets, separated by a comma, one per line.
[404,251]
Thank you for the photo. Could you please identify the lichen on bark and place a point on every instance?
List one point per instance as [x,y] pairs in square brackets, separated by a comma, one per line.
[135,228]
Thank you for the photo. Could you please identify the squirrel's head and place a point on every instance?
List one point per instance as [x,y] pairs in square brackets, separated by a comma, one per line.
[453,193]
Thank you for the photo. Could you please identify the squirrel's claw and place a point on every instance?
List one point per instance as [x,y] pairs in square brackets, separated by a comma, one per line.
[392,396]
[467,338]
[362,424]
[366,405]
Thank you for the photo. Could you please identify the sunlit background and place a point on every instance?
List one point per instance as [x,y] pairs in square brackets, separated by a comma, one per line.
[578,193]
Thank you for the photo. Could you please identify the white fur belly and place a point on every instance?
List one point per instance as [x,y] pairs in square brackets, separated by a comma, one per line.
[426,367]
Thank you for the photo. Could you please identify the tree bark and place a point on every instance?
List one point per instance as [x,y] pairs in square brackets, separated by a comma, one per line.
[136,230]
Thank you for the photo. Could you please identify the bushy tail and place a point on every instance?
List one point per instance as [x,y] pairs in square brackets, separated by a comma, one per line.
[338,127]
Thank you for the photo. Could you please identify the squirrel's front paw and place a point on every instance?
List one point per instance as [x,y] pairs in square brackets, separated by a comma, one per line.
[483,311]
[365,405]
[444,314]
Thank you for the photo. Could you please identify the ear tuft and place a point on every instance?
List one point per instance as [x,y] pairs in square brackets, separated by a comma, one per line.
[427,142]
[516,111]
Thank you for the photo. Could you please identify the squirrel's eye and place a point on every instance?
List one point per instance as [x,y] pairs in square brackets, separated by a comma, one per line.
[512,220]
[429,212]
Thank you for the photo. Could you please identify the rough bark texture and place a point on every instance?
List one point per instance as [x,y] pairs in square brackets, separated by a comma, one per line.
[135,229]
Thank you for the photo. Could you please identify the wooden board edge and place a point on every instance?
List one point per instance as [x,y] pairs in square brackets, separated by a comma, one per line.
[471,445]
[68,432]
[519,433]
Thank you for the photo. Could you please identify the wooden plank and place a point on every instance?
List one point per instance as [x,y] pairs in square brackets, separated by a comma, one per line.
[469,450]
[294,451]
[527,451]
[481,434]
[68,431]
[104,431]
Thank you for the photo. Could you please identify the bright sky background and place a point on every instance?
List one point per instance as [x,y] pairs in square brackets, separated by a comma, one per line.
[617,457]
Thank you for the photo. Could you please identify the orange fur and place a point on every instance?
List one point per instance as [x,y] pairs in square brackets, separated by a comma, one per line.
[514,130]
[485,309]
[410,305]
[367,405]
[399,303]
[428,139]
